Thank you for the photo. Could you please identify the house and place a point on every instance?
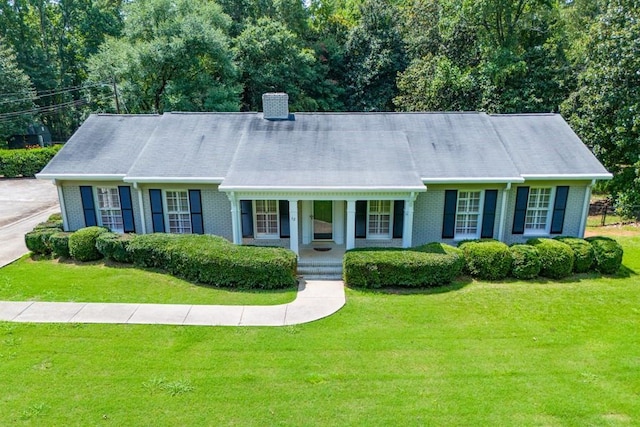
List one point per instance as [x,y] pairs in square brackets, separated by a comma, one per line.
[352,179]
[34,134]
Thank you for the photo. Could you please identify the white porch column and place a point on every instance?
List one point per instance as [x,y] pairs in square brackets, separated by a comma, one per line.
[293,226]
[407,228]
[143,217]
[585,208]
[63,208]
[503,212]
[236,220]
[351,224]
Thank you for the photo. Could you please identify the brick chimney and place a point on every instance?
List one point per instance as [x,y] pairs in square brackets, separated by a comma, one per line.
[275,106]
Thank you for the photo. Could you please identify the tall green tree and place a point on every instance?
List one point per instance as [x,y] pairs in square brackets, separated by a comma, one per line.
[605,108]
[16,95]
[173,55]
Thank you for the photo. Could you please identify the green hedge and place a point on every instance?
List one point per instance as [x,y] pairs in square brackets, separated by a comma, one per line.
[113,246]
[525,262]
[59,243]
[57,224]
[433,264]
[556,257]
[215,261]
[82,244]
[583,254]
[608,254]
[25,162]
[37,241]
[487,259]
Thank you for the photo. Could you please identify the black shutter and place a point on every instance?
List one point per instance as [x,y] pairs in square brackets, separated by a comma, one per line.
[195,206]
[88,206]
[559,207]
[398,218]
[126,207]
[522,198]
[283,207]
[449,220]
[361,219]
[489,213]
[246,213]
[157,212]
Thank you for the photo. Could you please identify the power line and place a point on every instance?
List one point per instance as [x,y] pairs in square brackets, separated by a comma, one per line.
[43,110]
[53,93]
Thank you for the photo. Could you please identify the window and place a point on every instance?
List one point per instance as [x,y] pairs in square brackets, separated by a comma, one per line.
[178,213]
[109,208]
[379,219]
[468,214]
[537,217]
[267,218]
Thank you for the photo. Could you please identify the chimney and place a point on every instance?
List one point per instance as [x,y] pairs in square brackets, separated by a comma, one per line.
[275,106]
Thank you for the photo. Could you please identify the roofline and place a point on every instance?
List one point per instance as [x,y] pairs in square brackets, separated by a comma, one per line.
[479,180]
[81,177]
[173,180]
[568,176]
[314,189]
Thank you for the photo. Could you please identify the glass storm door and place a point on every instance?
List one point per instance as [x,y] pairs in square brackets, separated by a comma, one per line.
[323,220]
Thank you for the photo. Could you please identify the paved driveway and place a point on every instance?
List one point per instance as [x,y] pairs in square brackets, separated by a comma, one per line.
[23,204]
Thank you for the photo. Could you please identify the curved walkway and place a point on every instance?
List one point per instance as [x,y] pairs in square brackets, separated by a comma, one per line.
[316,299]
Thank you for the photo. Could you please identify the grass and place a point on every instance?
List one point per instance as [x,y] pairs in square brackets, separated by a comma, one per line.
[474,353]
[50,280]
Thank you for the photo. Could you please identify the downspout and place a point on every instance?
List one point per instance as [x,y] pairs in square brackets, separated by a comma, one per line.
[503,211]
[585,208]
[63,208]
[143,222]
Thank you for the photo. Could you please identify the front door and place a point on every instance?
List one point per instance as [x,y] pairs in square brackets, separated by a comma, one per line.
[322,220]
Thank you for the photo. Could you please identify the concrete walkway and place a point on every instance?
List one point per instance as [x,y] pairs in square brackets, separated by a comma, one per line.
[316,299]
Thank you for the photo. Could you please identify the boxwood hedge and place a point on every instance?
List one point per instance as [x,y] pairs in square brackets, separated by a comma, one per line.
[487,259]
[556,257]
[608,254]
[113,246]
[59,243]
[37,241]
[215,261]
[583,255]
[25,162]
[433,264]
[526,262]
[82,244]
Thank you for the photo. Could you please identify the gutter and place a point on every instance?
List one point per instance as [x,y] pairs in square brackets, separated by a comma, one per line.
[82,177]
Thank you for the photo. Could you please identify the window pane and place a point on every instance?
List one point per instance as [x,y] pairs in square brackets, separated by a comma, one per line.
[537,209]
[178,212]
[379,218]
[467,212]
[109,208]
[267,220]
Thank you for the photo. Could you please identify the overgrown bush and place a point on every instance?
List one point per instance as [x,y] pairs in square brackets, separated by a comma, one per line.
[556,257]
[525,262]
[487,259]
[82,244]
[59,243]
[37,241]
[113,246]
[608,254]
[215,261]
[57,224]
[583,254]
[55,217]
[25,162]
[434,264]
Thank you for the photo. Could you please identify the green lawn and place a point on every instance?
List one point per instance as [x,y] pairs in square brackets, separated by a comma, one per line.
[476,353]
[50,280]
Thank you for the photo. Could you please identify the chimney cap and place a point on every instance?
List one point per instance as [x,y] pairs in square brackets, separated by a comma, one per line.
[275,106]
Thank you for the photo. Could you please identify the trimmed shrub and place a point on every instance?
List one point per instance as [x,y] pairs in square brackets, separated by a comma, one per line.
[215,261]
[556,257]
[37,241]
[55,217]
[25,162]
[608,254]
[82,244]
[434,264]
[583,255]
[487,259]
[59,243]
[113,246]
[525,262]
[49,224]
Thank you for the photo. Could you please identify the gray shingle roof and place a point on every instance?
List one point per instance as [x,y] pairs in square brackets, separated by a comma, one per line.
[326,150]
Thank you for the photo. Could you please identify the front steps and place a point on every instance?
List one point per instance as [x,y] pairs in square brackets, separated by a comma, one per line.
[319,270]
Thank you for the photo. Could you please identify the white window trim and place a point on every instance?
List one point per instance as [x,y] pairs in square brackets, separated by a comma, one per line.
[531,232]
[167,213]
[265,236]
[389,235]
[96,199]
[460,236]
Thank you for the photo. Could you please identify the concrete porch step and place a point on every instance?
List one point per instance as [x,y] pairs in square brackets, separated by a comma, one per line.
[320,271]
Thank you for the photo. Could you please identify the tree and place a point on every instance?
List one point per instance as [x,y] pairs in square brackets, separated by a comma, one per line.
[605,108]
[374,55]
[16,95]
[173,55]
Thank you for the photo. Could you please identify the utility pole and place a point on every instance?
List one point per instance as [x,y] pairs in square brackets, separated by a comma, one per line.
[115,94]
